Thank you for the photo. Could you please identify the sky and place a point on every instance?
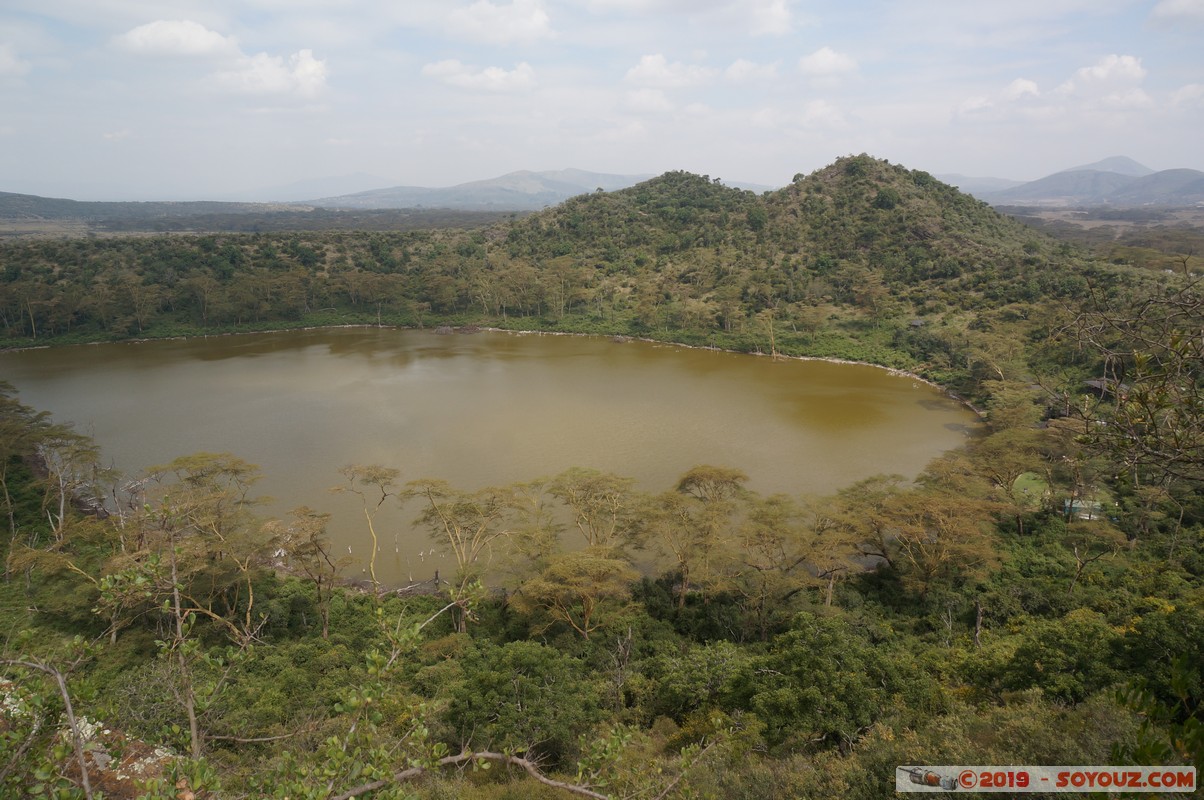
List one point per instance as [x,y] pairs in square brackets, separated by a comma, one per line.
[213,99]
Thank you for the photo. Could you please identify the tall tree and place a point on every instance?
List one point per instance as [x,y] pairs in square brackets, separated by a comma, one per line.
[1003,458]
[305,548]
[200,553]
[601,504]
[470,525]
[22,429]
[1148,414]
[768,566]
[576,586]
[73,476]
[695,521]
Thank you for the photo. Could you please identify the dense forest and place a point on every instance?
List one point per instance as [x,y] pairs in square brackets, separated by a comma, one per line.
[1035,598]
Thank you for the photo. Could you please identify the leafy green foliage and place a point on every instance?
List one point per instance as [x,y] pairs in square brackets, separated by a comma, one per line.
[825,682]
[522,697]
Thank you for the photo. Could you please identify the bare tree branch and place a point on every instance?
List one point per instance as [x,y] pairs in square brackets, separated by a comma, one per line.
[465,758]
[77,739]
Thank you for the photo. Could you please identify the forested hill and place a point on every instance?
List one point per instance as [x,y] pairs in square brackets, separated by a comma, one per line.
[862,260]
[858,220]
[858,207]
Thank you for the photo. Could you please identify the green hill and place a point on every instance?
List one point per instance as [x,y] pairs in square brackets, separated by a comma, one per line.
[905,226]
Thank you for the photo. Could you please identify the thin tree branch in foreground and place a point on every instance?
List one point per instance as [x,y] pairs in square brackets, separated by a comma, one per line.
[467,757]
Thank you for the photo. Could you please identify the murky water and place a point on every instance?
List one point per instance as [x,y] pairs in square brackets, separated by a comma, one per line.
[482,409]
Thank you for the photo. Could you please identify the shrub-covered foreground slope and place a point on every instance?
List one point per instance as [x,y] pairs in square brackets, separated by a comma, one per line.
[1033,599]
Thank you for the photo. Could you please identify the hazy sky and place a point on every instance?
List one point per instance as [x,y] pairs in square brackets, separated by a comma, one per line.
[182,99]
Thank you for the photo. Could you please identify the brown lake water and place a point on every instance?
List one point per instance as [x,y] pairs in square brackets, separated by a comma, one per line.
[482,409]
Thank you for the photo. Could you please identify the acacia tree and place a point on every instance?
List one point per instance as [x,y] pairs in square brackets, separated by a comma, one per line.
[21,430]
[773,550]
[1089,541]
[863,513]
[535,529]
[831,551]
[575,586]
[666,519]
[943,527]
[941,536]
[73,472]
[198,557]
[470,524]
[716,494]
[693,522]
[601,503]
[1149,414]
[1002,458]
[306,550]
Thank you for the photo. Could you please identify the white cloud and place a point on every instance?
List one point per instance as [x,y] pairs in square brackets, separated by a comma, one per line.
[743,70]
[649,100]
[621,132]
[1104,91]
[655,70]
[1126,99]
[1179,11]
[1188,96]
[826,63]
[822,114]
[519,22]
[753,17]
[301,75]
[1019,88]
[181,37]
[655,5]
[116,136]
[11,65]
[768,118]
[770,18]
[1108,74]
[491,79]
[974,104]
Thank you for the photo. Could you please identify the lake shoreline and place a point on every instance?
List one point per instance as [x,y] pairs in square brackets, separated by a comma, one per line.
[621,338]
[470,329]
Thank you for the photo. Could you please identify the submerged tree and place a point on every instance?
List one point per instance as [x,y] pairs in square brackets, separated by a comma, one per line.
[373,485]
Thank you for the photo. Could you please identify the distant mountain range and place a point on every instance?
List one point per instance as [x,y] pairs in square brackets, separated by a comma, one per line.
[302,191]
[1117,181]
[515,191]
[33,207]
